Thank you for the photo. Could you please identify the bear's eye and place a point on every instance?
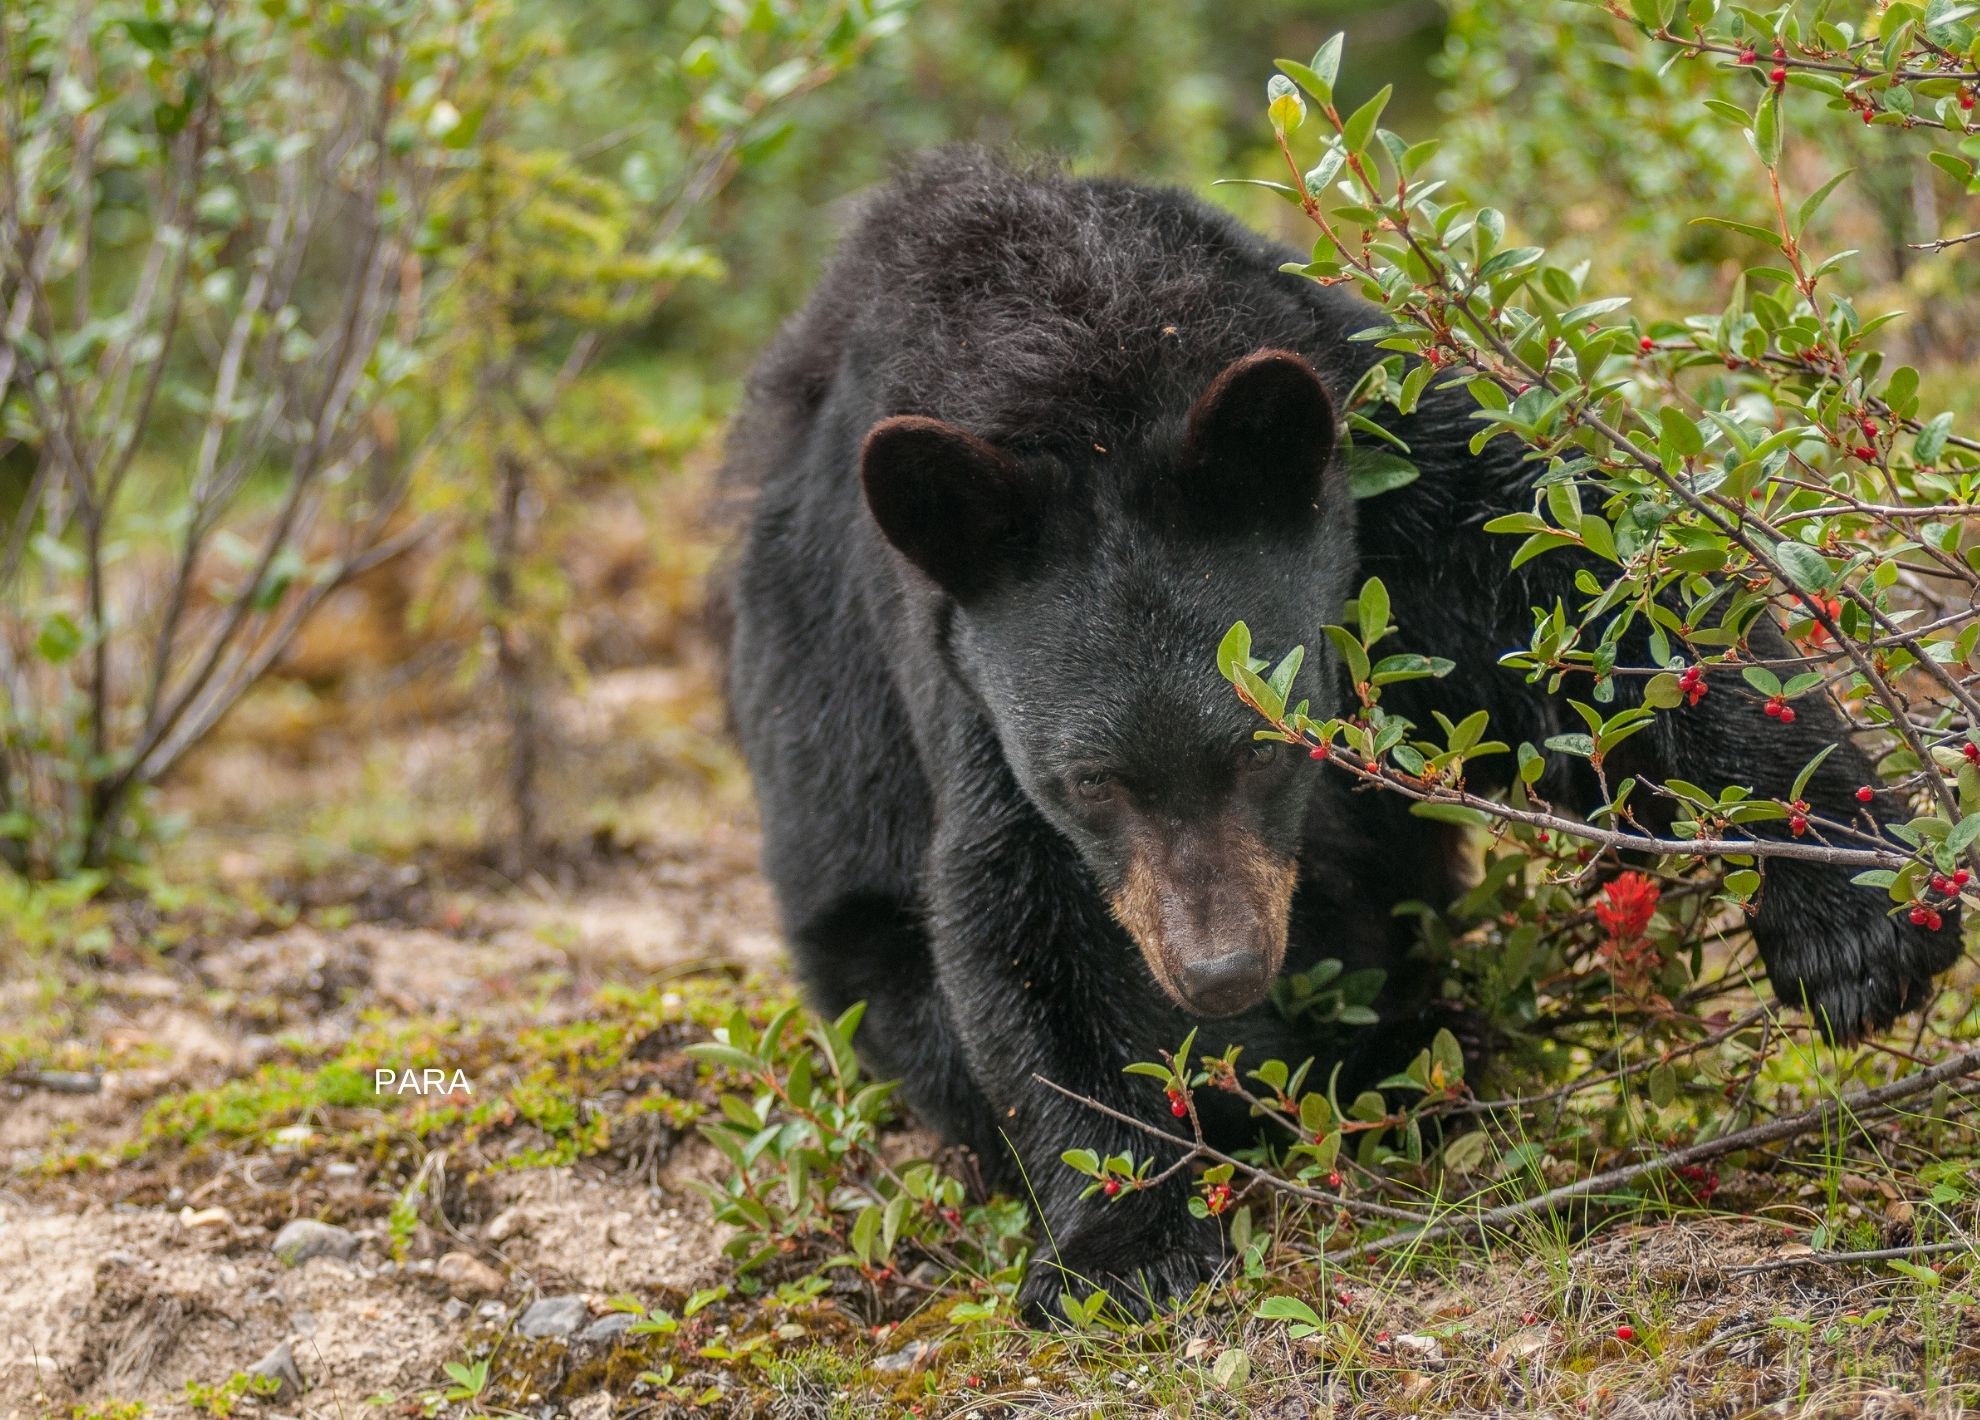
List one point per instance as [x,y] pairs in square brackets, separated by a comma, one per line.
[1093,787]
[1259,754]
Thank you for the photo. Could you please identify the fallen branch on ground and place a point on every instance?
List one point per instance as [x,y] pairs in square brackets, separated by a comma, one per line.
[1788,1127]
[1842,1259]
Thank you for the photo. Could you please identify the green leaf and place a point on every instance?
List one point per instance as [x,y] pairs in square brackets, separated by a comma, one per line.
[1308,79]
[1445,1051]
[1284,105]
[1806,568]
[1449,813]
[1815,199]
[1583,745]
[1326,62]
[1931,440]
[1663,1084]
[1374,471]
[1282,677]
[154,35]
[1808,771]
[1234,650]
[1277,187]
[1351,650]
[1663,692]
[1679,432]
[1361,124]
[1372,610]
[1269,702]
[1287,1309]
[59,640]
[1762,680]
[715,1053]
[1767,128]
[1231,1369]
[1539,543]
[1407,666]
[1764,234]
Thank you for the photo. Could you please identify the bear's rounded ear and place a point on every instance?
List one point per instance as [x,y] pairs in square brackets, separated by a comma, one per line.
[956,507]
[1259,441]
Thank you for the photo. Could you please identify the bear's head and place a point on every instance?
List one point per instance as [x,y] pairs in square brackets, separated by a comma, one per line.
[1081,601]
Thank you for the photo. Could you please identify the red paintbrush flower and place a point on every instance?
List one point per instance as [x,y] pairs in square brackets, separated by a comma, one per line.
[1625,906]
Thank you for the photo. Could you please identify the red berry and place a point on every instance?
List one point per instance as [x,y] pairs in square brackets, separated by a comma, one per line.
[1961,878]
[1772,709]
[1971,751]
[1869,114]
[1317,752]
[1932,919]
[1917,915]
[1333,1180]
[1779,53]
[1529,1318]
[1869,428]
[1777,76]
[1787,714]
[1625,1332]
[1797,825]
[1112,1188]
[1646,343]
[1747,56]
[1177,1107]
[1865,794]
[1966,98]
[1941,883]
[1865,452]
[1346,1299]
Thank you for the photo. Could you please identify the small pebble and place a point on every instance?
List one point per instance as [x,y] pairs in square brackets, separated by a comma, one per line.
[467,1276]
[305,1238]
[904,1359]
[281,1364]
[609,1327]
[553,1316]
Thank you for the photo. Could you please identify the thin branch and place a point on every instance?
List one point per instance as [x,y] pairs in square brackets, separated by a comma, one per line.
[1197,1149]
[1793,1126]
[1848,1259]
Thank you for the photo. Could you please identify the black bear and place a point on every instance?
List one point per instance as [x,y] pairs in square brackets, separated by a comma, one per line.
[1031,448]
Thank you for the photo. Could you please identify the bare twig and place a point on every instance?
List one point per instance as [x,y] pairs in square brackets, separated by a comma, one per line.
[1791,1126]
[1847,1259]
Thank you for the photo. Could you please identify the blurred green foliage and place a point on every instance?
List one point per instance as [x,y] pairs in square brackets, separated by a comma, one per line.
[1158,90]
[605,211]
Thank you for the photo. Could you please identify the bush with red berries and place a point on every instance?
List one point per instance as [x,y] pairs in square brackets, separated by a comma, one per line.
[1756,433]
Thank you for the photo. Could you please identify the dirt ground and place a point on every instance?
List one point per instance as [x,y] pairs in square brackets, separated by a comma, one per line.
[123,1284]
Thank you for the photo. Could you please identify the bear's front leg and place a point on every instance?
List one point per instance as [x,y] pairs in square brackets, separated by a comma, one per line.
[1830,945]
[1042,982]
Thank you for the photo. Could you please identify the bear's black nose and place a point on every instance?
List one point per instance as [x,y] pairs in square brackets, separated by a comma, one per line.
[1225,985]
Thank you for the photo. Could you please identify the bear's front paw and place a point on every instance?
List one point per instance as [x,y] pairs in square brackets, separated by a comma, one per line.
[1834,948]
[1139,1272]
